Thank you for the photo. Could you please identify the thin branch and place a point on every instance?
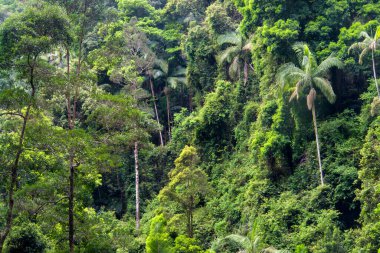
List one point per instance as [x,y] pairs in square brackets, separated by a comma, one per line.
[47,203]
[12,114]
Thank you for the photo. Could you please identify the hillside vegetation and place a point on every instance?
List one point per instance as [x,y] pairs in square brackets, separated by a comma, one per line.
[189,126]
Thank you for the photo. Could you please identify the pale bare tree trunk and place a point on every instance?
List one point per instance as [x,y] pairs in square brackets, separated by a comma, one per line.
[317,140]
[374,72]
[14,170]
[71,205]
[155,110]
[71,124]
[136,153]
[167,93]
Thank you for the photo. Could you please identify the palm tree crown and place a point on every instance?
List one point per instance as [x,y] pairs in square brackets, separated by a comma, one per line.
[309,74]
[235,54]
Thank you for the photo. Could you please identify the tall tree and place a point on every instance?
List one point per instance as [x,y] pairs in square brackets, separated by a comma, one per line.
[24,38]
[369,44]
[309,76]
[84,14]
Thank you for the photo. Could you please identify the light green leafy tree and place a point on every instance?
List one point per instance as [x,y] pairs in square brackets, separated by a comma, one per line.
[309,76]
[188,185]
[158,240]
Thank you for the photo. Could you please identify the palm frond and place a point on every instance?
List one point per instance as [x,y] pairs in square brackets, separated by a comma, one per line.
[365,35]
[179,71]
[358,46]
[227,55]
[243,241]
[327,64]
[162,65]
[301,49]
[287,73]
[157,73]
[229,38]
[296,91]
[175,82]
[248,47]
[325,87]
[363,54]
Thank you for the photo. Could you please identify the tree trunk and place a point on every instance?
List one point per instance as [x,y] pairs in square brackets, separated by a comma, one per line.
[168,110]
[14,170]
[155,110]
[374,72]
[71,205]
[136,153]
[190,100]
[71,124]
[317,140]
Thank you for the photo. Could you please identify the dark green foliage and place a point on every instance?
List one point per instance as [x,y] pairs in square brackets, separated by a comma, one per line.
[33,32]
[213,134]
[26,238]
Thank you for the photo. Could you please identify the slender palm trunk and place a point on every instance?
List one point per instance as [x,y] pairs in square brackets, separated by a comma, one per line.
[136,153]
[317,140]
[71,205]
[190,100]
[168,110]
[71,124]
[14,169]
[155,110]
[374,72]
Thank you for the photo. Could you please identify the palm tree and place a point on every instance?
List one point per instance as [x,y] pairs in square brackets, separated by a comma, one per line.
[173,79]
[368,44]
[309,76]
[236,55]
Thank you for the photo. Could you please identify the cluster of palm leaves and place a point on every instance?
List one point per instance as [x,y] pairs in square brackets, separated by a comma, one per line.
[235,55]
[369,44]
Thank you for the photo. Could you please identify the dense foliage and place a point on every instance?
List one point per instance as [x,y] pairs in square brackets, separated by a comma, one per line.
[189,126]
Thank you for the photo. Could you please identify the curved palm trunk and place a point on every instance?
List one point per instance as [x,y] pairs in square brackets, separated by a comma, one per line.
[155,110]
[374,72]
[317,140]
[136,153]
